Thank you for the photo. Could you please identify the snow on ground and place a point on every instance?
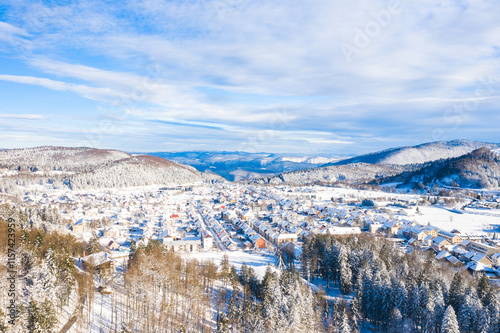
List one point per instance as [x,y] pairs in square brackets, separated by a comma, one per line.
[102,314]
[331,293]
[258,261]
[484,211]
[466,223]
[67,311]
[240,174]
[471,221]
[327,193]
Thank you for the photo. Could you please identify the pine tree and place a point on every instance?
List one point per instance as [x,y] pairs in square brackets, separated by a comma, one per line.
[429,316]
[266,280]
[41,317]
[456,292]
[345,327]
[274,306]
[483,288]
[307,312]
[345,272]
[336,313]
[468,313]
[494,311]
[399,296]
[367,300]
[415,304]
[382,299]
[439,304]
[450,323]
[232,309]
[244,274]
[225,269]
[38,240]
[356,314]
[34,316]
[133,250]
[483,321]
[49,315]
[94,245]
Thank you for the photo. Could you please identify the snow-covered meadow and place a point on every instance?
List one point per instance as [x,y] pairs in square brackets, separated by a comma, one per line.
[258,261]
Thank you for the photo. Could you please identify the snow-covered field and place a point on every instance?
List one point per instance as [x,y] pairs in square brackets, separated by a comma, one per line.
[257,261]
[448,220]
[483,211]
[471,221]
[327,193]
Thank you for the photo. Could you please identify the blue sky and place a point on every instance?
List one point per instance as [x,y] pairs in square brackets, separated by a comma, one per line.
[323,76]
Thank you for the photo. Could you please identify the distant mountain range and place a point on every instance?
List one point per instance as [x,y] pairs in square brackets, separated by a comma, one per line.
[240,166]
[454,163]
[235,166]
[460,162]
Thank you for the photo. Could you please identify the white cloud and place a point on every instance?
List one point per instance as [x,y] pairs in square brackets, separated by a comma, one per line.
[335,142]
[22,116]
[86,91]
[9,29]
[162,60]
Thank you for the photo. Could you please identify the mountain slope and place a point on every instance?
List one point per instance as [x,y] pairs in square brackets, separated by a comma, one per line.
[479,169]
[409,165]
[84,168]
[59,158]
[420,154]
[350,173]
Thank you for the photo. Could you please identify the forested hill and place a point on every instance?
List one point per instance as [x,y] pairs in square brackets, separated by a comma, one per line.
[478,169]
[86,168]
[419,154]
[49,158]
[350,173]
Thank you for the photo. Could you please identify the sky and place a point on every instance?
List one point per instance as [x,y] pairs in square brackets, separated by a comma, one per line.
[317,76]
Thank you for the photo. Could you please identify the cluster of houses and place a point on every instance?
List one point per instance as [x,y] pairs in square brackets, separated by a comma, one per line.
[466,251]
[236,216]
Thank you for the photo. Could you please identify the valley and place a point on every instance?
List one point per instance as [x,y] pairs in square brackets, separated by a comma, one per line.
[124,210]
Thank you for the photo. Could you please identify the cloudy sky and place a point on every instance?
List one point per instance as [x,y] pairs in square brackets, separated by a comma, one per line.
[322,76]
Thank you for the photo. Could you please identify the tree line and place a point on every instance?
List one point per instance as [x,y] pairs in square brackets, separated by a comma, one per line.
[400,292]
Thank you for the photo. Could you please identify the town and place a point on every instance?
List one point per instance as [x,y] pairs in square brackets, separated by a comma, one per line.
[242,218]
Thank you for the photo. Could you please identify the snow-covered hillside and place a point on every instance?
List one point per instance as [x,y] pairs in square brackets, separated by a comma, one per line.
[426,163]
[59,158]
[479,169]
[352,173]
[422,153]
[85,168]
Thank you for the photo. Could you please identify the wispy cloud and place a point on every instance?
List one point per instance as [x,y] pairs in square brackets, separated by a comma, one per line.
[22,116]
[9,29]
[241,68]
[86,91]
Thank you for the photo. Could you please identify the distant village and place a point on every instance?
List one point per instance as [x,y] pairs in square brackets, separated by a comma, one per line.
[237,217]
